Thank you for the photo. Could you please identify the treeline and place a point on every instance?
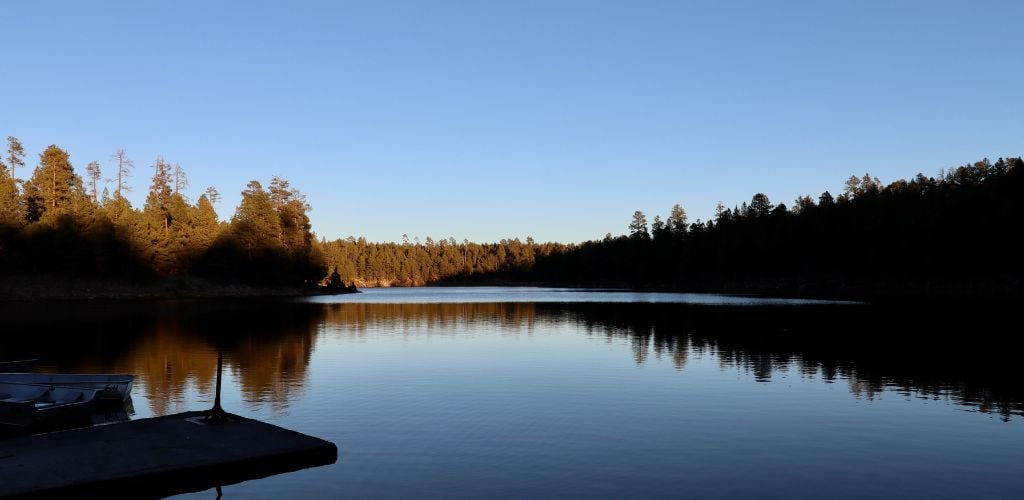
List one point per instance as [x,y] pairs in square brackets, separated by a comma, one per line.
[945,235]
[953,234]
[432,261]
[60,224]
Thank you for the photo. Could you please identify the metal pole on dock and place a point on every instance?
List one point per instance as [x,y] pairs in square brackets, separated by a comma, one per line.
[218,413]
[220,371]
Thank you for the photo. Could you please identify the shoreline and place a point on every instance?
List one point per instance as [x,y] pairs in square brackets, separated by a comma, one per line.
[30,288]
[35,288]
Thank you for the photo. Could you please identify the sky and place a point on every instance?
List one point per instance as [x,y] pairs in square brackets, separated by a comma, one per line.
[487,120]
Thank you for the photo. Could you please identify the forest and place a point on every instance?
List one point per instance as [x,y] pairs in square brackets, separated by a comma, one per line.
[948,235]
[58,225]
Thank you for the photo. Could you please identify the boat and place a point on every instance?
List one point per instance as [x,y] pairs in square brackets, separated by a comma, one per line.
[108,387]
[19,366]
[34,405]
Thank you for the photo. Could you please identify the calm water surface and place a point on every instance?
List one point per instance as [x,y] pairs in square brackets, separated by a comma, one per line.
[511,393]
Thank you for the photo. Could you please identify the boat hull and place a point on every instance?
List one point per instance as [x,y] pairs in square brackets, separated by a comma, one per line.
[29,405]
[108,387]
[19,366]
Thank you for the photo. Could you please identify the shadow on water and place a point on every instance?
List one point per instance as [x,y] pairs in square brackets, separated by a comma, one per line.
[171,346]
[967,357]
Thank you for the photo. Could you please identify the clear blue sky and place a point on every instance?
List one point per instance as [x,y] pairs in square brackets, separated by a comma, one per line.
[487,119]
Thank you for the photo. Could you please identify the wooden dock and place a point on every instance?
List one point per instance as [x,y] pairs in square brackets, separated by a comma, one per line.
[154,457]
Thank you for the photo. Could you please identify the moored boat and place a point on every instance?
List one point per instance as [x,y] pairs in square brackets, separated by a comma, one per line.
[31,405]
[18,366]
[108,387]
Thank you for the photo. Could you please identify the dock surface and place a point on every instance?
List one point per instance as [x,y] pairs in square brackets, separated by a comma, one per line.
[154,457]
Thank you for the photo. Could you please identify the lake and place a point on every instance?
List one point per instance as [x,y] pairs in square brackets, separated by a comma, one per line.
[548,393]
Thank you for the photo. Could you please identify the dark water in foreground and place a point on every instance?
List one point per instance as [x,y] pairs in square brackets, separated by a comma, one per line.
[510,393]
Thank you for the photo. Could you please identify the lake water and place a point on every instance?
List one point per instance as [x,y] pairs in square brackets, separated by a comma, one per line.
[545,393]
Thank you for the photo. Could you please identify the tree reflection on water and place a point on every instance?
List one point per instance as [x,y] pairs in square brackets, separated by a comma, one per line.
[171,346]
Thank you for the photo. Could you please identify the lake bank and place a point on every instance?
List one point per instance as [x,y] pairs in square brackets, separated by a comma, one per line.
[56,288]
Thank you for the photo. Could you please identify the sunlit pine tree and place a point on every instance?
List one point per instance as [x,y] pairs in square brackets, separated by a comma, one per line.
[205,226]
[11,213]
[152,229]
[256,224]
[15,156]
[677,219]
[53,189]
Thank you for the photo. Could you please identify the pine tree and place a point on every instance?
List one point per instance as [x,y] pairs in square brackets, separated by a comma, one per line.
[760,206]
[11,214]
[161,191]
[124,169]
[150,235]
[256,223]
[93,171]
[870,185]
[119,209]
[180,232]
[205,226]
[180,179]
[152,230]
[51,192]
[720,211]
[15,155]
[212,195]
[677,219]
[802,204]
[853,187]
[658,228]
[638,227]
[291,209]
[82,210]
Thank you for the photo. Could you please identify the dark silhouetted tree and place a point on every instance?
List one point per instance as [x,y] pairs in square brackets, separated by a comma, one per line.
[677,219]
[802,204]
[720,211]
[638,226]
[759,205]
[658,227]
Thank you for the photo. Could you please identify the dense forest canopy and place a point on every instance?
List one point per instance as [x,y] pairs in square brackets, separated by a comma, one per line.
[953,233]
[59,223]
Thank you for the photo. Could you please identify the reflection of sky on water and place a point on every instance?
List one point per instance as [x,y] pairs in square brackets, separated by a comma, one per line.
[435,295]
